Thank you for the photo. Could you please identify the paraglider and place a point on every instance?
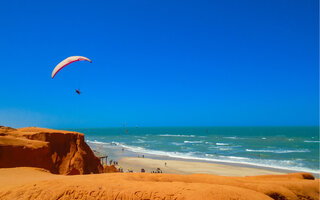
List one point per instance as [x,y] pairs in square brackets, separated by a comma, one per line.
[66,62]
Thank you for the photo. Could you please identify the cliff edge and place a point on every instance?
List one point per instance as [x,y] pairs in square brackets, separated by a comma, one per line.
[60,152]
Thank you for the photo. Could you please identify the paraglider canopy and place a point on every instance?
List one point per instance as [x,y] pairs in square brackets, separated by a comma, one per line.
[66,62]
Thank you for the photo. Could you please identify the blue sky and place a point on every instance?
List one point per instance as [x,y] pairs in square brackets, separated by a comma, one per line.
[160,63]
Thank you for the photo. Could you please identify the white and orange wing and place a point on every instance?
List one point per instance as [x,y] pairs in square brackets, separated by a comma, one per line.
[66,62]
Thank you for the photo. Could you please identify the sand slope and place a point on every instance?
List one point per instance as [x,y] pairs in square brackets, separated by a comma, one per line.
[32,183]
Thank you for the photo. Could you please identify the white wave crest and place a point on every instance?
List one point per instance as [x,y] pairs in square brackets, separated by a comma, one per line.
[225,148]
[312,141]
[177,144]
[139,141]
[221,144]
[96,142]
[234,137]
[168,135]
[279,150]
[193,142]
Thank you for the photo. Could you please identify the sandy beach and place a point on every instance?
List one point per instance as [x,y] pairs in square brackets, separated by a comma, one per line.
[188,167]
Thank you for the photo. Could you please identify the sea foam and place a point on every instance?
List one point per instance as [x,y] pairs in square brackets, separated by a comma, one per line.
[168,135]
[221,144]
[279,150]
[193,142]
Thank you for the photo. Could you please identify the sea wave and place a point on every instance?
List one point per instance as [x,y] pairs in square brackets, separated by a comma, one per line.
[279,150]
[234,137]
[193,142]
[96,142]
[235,157]
[227,157]
[312,141]
[168,135]
[177,144]
[225,148]
[221,144]
[139,141]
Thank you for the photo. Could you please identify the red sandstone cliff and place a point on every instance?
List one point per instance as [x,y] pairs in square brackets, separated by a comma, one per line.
[60,152]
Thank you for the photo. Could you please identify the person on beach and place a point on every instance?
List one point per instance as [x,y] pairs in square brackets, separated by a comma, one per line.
[165,164]
[120,169]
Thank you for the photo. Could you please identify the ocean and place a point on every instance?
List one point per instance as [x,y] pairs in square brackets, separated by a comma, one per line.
[287,148]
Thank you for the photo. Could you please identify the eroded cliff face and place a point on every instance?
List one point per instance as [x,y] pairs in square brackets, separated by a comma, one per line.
[60,152]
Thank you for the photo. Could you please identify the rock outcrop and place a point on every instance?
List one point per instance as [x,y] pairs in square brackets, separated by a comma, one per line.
[60,152]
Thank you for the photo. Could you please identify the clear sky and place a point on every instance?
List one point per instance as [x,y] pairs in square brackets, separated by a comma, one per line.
[160,63]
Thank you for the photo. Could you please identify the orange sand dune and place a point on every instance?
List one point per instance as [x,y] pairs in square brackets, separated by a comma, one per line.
[32,183]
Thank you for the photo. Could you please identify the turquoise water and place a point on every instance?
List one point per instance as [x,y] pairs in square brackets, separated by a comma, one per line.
[290,148]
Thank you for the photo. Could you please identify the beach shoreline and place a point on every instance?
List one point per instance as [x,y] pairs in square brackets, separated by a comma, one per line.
[134,161]
[189,167]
